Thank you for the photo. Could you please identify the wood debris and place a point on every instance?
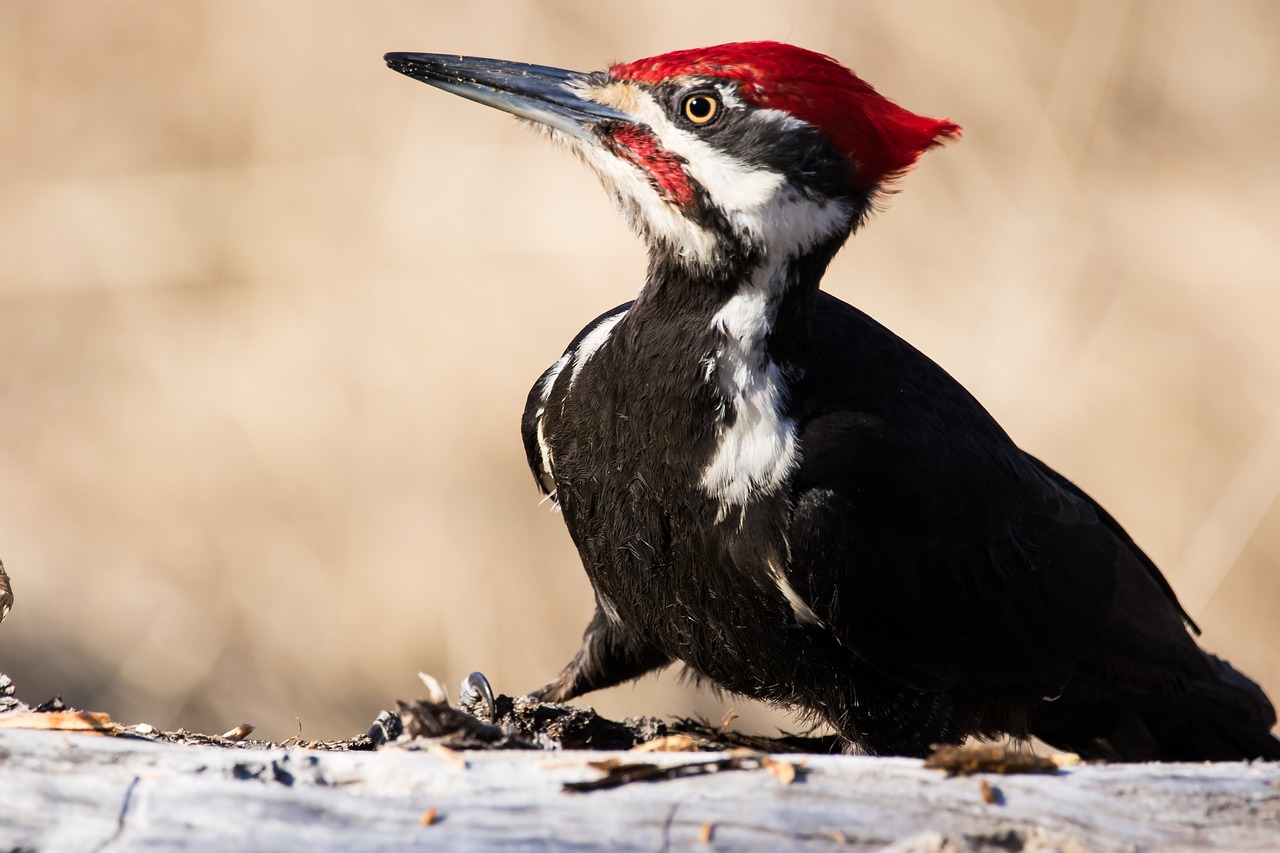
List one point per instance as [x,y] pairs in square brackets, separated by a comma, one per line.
[720,737]
[618,773]
[62,721]
[240,732]
[450,755]
[430,720]
[986,758]
[669,743]
[784,771]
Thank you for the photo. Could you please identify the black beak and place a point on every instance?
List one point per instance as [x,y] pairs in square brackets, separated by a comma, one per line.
[534,92]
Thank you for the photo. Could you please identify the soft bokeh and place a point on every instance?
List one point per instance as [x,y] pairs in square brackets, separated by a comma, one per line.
[270,312]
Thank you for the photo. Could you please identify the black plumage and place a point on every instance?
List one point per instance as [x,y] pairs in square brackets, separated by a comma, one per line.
[771,488]
[961,585]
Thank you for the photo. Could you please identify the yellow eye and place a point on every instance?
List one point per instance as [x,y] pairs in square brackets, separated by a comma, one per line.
[701,108]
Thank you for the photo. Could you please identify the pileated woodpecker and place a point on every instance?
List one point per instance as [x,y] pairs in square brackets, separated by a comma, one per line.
[767,485]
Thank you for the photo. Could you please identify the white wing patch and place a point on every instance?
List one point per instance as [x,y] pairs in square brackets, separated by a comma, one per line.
[592,342]
[553,373]
[574,360]
[546,475]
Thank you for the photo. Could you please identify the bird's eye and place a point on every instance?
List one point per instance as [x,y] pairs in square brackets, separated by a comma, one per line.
[700,108]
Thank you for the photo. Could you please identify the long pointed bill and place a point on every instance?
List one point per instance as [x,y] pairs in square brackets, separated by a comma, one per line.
[535,92]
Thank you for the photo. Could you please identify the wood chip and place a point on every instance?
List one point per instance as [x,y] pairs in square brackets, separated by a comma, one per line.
[986,758]
[240,732]
[990,793]
[669,743]
[617,773]
[294,739]
[436,692]
[785,771]
[707,833]
[63,721]
[450,755]
[429,817]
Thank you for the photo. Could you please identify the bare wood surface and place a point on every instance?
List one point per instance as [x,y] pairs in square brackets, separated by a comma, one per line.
[62,791]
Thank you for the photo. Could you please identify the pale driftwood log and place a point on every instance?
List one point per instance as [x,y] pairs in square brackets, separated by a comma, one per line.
[68,792]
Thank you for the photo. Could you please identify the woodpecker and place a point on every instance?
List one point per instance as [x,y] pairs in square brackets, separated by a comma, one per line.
[773,489]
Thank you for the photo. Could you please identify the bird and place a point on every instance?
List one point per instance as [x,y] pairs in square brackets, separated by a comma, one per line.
[6,594]
[772,489]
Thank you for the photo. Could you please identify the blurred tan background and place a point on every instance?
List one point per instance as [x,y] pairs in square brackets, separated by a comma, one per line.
[270,312]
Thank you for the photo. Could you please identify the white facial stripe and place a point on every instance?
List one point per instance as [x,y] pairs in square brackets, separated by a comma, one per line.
[642,204]
[794,222]
[759,202]
[734,185]
[647,211]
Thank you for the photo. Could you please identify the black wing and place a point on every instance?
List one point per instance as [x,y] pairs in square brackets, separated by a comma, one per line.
[533,408]
[934,548]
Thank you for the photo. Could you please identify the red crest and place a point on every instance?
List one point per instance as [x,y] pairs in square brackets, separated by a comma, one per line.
[879,137]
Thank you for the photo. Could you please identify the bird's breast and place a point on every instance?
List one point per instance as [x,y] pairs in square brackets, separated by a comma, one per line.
[756,440]
[663,450]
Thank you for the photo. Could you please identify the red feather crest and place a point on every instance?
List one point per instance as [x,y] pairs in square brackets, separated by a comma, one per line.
[880,138]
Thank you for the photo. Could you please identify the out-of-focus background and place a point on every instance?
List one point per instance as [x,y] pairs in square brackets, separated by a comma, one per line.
[269,312]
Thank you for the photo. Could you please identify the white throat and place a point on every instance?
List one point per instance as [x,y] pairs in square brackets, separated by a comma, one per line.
[756,448]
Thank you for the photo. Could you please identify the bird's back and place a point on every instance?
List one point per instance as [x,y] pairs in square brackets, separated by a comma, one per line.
[968,566]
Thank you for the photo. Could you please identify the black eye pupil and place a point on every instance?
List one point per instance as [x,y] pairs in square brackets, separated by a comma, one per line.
[700,109]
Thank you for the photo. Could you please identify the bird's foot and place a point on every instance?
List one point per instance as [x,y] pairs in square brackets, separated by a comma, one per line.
[475,696]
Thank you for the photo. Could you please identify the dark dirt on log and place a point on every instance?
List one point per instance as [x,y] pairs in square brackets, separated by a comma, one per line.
[515,723]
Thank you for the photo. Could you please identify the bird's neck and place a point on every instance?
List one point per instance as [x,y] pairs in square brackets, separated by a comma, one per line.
[760,303]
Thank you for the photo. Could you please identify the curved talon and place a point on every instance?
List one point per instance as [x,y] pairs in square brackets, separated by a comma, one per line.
[475,688]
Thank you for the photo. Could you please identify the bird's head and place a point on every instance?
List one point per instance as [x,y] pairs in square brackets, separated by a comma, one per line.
[739,152]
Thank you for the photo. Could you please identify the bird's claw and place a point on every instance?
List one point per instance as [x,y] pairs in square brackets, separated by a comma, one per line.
[475,694]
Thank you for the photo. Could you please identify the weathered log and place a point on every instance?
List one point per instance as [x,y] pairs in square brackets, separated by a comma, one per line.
[61,791]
